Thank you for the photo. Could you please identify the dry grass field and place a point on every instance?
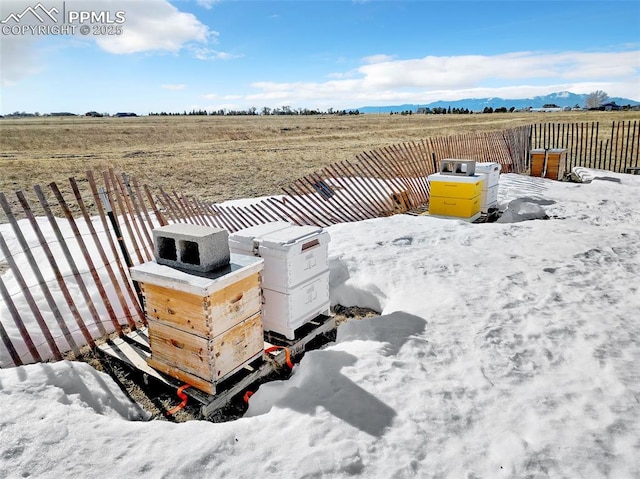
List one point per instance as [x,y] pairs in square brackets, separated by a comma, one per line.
[220,158]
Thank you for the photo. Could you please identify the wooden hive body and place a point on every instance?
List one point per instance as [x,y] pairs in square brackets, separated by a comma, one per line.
[203,328]
[555,168]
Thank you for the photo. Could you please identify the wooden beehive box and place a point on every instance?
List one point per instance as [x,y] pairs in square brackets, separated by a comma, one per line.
[203,327]
[555,163]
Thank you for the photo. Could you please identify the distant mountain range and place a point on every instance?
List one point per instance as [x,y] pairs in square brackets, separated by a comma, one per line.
[562,99]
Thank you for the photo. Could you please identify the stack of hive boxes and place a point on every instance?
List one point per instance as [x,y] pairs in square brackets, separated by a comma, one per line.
[203,305]
[456,191]
[548,163]
[296,272]
[490,173]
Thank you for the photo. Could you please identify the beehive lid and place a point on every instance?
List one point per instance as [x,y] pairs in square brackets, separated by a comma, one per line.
[455,179]
[201,284]
[244,239]
[487,167]
[287,237]
[551,150]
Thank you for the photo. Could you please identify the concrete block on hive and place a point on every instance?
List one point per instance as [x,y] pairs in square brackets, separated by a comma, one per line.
[191,247]
[454,167]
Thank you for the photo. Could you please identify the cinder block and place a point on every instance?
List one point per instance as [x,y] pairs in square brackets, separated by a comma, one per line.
[191,247]
[454,167]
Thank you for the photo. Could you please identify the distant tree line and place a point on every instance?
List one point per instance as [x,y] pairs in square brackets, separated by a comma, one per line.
[253,111]
[24,114]
[500,109]
[447,111]
[597,100]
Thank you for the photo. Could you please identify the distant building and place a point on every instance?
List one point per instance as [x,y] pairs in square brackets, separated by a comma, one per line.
[611,106]
[545,110]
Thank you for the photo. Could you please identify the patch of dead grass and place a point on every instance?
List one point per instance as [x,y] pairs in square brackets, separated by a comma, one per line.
[220,158]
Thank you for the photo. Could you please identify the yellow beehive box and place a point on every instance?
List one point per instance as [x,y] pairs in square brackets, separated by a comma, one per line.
[448,186]
[458,207]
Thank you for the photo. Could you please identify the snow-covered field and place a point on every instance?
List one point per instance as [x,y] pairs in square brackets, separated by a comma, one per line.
[508,349]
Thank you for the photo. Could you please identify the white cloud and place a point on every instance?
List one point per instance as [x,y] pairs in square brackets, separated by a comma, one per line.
[381,58]
[153,25]
[468,70]
[205,53]
[178,87]
[150,25]
[510,75]
[17,59]
[208,4]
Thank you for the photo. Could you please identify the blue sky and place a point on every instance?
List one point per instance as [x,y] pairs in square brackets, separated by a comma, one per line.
[185,54]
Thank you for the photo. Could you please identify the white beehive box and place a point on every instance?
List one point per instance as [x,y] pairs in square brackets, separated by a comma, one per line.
[295,279]
[491,173]
[292,254]
[246,241]
[489,199]
[284,312]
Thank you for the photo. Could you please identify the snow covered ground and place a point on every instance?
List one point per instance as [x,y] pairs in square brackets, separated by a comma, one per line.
[508,349]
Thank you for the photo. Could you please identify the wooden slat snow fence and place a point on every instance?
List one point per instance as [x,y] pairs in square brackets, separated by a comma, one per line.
[77,263]
[591,145]
[376,183]
[72,245]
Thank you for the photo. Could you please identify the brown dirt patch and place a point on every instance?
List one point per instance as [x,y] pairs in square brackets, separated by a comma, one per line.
[157,398]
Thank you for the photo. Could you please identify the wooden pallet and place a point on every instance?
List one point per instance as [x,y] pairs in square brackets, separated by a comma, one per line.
[133,350]
[490,217]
